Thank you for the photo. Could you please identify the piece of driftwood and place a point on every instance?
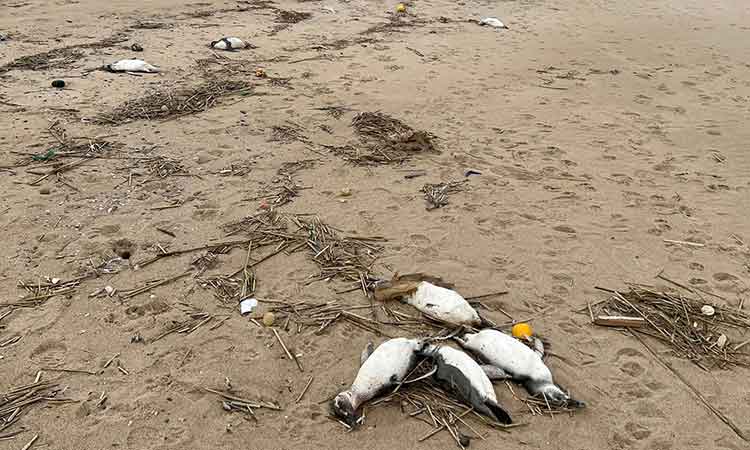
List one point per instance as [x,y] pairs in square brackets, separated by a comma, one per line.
[620,321]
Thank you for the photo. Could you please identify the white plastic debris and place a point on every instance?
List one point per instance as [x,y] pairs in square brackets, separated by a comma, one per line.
[55,280]
[493,22]
[722,341]
[248,305]
[131,65]
[708,310]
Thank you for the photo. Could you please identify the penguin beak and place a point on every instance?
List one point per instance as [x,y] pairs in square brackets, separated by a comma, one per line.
[343,409]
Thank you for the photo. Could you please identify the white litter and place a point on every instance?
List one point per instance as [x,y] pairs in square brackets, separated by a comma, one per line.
[708,310]
[248,305]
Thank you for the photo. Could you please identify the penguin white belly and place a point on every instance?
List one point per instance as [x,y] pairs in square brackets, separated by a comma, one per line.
[229,43]
[387,365]
[509,354]
[470,369]
[492,22]
[443,304]
[132,65]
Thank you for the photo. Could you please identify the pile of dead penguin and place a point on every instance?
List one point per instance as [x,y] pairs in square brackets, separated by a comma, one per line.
[503,357]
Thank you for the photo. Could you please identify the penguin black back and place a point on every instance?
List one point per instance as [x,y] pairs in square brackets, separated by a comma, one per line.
[455,381]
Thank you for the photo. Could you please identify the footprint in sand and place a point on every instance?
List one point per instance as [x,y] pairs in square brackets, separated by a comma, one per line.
[564,229]
[420,240]
[633,369]
[49,352]
[649,409]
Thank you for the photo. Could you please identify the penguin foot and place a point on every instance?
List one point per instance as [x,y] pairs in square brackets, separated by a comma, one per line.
[495,373]
[500,413]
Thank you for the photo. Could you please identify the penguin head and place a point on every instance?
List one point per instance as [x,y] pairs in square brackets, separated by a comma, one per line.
[342,406]
[427,349]
[556,396]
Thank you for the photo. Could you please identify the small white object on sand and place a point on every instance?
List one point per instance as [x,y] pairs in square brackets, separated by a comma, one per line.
[248,305]
[493,22]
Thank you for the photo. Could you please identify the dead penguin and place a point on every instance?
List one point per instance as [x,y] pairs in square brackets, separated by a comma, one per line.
[437,302]
[462,375]
[131,65]
[510,358]
[229,43]
[493,22]
[382,368]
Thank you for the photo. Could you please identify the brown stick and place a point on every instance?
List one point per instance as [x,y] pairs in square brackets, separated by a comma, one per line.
[307,386]
[31,442]
[87,372]
[491,294]
[619,321]
[441,427]
[143,289]
[286,350]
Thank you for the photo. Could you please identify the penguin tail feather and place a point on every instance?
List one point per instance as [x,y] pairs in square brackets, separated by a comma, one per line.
[500,413]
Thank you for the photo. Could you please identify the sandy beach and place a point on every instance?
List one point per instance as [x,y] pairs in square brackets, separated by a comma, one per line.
[609,142]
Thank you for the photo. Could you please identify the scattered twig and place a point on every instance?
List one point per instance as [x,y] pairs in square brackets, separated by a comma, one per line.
[286,350]
[307,386]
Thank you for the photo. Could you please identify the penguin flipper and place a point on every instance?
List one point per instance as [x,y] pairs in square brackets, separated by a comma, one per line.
[366,352]
[495,373]
[499,412]
[538,346]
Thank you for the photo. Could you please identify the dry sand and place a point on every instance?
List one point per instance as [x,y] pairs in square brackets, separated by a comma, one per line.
[601,128]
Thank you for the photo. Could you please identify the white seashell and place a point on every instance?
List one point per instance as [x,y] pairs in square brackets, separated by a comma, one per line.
[708,310]
[110,290]
[722,341]
[493,22]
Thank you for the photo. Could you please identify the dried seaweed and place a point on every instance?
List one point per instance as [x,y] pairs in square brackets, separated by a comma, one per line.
[226,289]
[335,111]
[291,17]
[387,140]
[349,258]
[18,400]
[150,25]
[681,323]
[41,291]
[166,104]
[162,167]
[290,168]
[196,319]
[59,57]
[287,133]
[397,23]
[436,195]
